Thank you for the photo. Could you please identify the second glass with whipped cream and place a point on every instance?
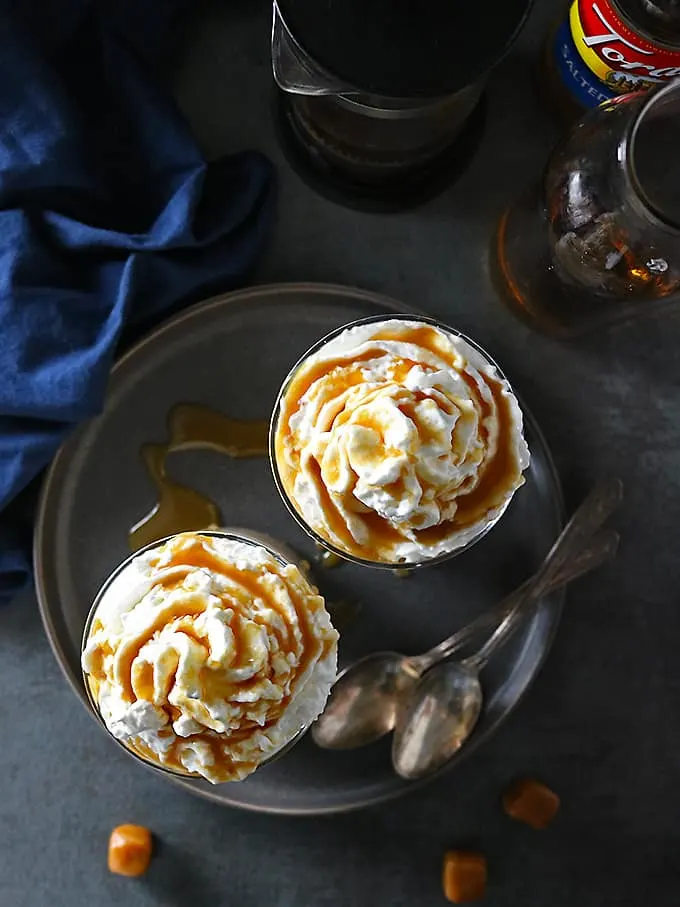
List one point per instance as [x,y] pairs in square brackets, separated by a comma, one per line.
[207,654]
[397,442]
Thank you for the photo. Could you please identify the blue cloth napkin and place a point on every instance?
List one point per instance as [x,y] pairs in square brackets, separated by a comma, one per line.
[109,219]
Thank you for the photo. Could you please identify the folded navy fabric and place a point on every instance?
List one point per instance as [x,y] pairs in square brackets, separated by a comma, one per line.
[110,218]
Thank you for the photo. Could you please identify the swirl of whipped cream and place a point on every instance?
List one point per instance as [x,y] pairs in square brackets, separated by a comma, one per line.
[206,655]
[397,441]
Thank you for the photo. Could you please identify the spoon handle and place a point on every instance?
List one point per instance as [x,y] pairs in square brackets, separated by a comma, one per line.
[599,504]
[600,549]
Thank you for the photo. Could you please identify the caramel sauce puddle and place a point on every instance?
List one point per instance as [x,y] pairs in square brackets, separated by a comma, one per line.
[180,508]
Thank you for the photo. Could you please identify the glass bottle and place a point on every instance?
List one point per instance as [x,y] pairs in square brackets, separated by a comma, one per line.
[597,239]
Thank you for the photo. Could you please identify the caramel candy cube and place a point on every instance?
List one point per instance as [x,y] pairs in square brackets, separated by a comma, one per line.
[464,877]
[531,802]
[129,850]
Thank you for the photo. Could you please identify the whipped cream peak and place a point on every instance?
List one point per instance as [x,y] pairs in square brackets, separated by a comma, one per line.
[206,655]
[398,441]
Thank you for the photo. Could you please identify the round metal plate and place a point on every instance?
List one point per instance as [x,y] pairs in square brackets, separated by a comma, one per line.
[231,354]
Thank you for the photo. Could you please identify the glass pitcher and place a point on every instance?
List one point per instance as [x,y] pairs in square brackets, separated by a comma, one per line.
[380,150]
[598,239]
[294,70]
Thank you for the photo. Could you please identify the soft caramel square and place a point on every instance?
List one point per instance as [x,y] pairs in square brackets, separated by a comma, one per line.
[130,850]
[531,802]
[464,876]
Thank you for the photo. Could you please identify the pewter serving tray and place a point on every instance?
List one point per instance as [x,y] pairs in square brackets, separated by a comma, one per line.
[231,354]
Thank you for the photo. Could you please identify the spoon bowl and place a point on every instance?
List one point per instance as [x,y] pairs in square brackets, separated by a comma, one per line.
[438,721]
[364,700]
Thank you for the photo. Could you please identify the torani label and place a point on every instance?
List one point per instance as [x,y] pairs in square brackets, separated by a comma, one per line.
[598,54]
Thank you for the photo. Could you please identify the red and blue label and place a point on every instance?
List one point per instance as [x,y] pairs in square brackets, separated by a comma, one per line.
[599,55]
[582,84]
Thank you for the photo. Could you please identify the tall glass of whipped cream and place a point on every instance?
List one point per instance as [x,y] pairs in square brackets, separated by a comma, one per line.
[397,442]
[206,654]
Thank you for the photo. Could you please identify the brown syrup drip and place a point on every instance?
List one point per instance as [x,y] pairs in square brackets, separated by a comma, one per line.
[328,559]
[180,508]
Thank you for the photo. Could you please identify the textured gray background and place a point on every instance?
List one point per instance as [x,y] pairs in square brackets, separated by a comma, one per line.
[602,725]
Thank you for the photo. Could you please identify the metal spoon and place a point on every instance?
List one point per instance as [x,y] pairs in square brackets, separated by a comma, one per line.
[367,695]
[443,709]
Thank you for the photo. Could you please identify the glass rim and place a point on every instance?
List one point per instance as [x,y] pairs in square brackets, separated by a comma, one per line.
[94,705]
[650,100]
[318,539]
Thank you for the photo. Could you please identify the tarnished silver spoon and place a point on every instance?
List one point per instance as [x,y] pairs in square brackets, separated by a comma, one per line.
[443,709]
[367,695]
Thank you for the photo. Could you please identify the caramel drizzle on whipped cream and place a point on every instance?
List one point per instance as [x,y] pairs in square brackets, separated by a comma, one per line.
[121,663]
[498,474]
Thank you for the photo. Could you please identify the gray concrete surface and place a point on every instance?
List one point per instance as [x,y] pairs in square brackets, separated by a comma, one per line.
[601,725]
